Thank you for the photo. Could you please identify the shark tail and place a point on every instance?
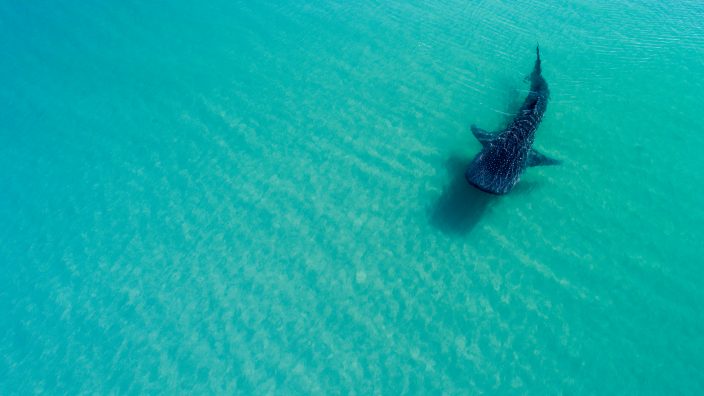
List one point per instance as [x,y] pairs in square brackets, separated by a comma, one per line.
[536,69]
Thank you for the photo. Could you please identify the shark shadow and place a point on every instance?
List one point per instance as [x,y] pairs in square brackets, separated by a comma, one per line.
[460,207]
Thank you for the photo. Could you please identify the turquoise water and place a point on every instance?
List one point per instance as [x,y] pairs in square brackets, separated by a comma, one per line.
[267,198]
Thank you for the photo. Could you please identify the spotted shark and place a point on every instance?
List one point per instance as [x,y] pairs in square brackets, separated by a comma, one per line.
[506,154]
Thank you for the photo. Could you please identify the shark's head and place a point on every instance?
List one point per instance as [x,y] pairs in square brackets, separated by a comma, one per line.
[494,173]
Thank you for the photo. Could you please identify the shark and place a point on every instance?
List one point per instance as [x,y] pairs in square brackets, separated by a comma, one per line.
[498,167]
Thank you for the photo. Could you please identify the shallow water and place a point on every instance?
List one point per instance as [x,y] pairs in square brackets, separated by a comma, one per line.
[267,198]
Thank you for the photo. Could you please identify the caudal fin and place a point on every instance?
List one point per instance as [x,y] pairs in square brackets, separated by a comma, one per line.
[536,68]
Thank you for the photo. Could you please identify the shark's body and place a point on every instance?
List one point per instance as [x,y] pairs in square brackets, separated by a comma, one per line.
[506,154]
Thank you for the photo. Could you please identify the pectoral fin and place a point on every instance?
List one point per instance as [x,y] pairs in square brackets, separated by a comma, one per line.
[537,159]
[483,136]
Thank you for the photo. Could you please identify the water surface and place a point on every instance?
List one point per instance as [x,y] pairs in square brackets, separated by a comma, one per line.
[267,198]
